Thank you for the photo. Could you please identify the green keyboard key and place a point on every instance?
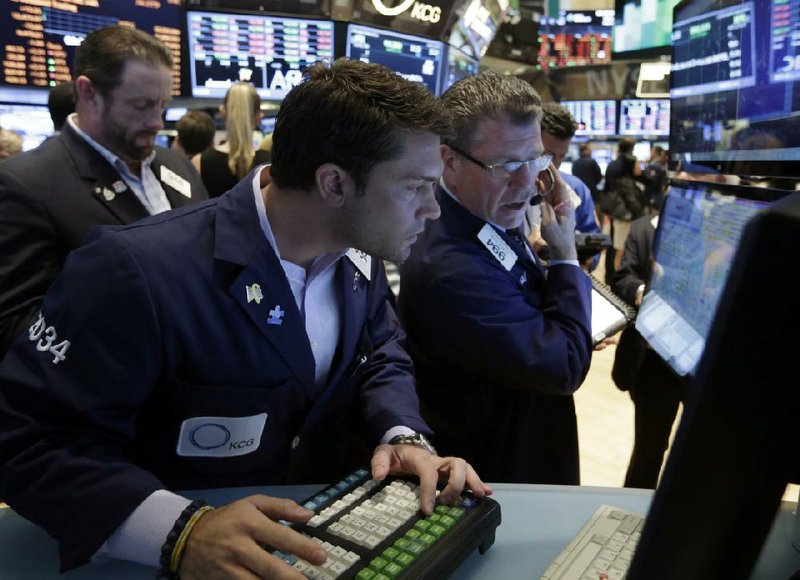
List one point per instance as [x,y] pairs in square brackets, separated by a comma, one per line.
[437,530]
[415,548]
[393,570]
[427,540]
[365,574]
[412,534]
[401,543]
[434,518]
[391,553]
[442,510]
[456,512]
[422,525]
[404,559]
[447,522]
[378,563]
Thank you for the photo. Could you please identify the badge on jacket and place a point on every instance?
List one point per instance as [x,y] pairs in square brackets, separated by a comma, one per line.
[497,246]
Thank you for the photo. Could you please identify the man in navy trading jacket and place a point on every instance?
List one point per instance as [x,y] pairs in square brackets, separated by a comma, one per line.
[103,168]
[234,343]
[499,341]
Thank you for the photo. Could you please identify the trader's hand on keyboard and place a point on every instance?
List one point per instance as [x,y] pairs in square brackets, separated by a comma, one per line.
[413,460]
[228,542]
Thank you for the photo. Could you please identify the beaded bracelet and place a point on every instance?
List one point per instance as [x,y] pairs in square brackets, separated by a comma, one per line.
[191,513]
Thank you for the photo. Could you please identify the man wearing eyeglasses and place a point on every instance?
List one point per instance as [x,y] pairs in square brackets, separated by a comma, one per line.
[499,341]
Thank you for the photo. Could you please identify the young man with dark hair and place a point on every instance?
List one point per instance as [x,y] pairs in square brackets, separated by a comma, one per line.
[103,168]
[558,129]
[261,315]
[195,133]
[499,343]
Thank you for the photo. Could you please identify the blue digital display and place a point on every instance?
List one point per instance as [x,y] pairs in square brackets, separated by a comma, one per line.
[735,86]
[414,58]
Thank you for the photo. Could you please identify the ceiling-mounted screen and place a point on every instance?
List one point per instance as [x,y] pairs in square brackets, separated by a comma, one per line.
[575,39]
[268,51]
[416,59]
[38,38]
[735,87]
[642,28]
[459,66]
[644,117]
[319,8]
[594,118]
[474,30]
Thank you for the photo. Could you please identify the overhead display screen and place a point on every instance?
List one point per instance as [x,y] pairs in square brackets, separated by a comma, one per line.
[268,51]
[416,59]
[38,38]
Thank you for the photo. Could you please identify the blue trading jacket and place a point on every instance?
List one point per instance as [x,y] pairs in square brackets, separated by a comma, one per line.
[164,325]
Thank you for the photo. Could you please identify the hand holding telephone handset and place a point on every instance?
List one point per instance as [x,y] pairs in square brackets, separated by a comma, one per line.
[558,215]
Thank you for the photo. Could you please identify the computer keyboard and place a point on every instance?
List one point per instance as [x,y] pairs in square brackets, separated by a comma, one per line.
[603,548]
[376,531]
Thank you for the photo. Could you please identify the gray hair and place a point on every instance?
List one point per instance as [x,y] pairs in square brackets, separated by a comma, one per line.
[489,95]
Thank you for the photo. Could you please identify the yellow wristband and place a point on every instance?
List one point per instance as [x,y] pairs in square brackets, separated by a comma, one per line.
[177,551]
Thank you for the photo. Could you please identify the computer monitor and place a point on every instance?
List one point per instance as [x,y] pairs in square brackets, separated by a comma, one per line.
[414,58]
[642,28]
[735,87]
[31,122]
[698,232]
[575,38]
[474,31]
[459,66]
[736,447]
[319,8]
[38,39]
[594,118]
[644,117]
[268,51]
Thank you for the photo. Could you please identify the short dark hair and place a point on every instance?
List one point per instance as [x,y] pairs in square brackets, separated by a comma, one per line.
[350,113]
[104,52]
[489,95]
[558,121]
[61,103]
[625,145]
[586,150]
[196,131]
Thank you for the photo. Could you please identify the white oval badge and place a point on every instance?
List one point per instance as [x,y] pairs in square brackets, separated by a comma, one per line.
[220,436]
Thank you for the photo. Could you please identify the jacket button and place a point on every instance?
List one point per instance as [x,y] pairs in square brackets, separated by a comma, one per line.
[295,441]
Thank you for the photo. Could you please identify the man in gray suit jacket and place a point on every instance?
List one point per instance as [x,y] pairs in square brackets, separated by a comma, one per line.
[103,168]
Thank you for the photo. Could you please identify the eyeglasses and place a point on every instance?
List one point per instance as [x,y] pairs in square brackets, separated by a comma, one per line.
[509,168]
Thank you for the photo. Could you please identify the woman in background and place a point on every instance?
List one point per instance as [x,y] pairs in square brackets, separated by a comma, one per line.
[225,165]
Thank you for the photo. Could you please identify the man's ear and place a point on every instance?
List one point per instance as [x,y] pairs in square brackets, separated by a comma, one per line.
[85,90]
[334,184]
[449,159]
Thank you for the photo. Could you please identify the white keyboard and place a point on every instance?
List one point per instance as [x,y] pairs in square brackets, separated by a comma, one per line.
[603,548]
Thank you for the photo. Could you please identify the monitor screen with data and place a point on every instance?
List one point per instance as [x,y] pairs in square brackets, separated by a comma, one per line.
[644,117]
[414,58]
[735,87]
[268,51]
[38,38]
[594,118]
[459,66]
[698,233]
[575,38]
